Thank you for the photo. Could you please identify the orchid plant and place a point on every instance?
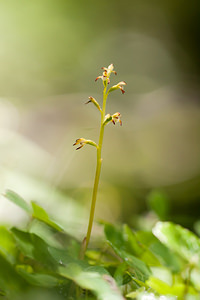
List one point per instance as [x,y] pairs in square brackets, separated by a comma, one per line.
[105,119]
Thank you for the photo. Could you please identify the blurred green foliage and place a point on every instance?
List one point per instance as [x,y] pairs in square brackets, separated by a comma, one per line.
[160,264]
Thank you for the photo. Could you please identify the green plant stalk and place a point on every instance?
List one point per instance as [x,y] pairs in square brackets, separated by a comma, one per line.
[98,169]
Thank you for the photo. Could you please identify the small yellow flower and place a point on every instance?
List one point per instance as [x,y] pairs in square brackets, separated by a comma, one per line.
[106,73]
[83,142]
[94,101]
[116,118]
[120,86]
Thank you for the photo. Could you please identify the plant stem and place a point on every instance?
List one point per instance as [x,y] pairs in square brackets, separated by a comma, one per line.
[98,171]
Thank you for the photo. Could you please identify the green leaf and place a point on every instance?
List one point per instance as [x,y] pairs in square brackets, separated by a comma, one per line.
[103,287]
[115,239]
[10,281]
[163,288]
[114,236]
[18,200]
[119,274]
[38,279]
[180,240]
[138,283]
[159,203]
[34,247]
[62,257]
[24,242]
[40,214]
[50,235]
[164,254]
[126,239]
[140,270]
[132,244]
[7,245]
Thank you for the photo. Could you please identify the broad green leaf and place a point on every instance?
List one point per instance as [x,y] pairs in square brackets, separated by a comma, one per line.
[99,269]
[140,270]
[7,245]
[24,242]
[114,236]
[103,287]
[145,237]
[40,214]
[163,274]
[159,203]
[195,278]
[34,247]
[164,254]
[38,279]
[132,244]
[180,240]
[177,290]
[18,200]
[50,235]
[10,281]
[63,257]
[115,239]
[126,239]
[120,274]
[163,288]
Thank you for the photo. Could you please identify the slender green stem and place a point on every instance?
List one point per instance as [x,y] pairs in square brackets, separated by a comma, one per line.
[98,171]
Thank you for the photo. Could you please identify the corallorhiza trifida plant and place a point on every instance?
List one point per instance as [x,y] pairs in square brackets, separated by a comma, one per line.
[105,119]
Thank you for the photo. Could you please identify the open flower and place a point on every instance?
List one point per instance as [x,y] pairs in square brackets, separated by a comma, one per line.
[120,86]
[113,118]
[116,118]
[82,142]
[106,73]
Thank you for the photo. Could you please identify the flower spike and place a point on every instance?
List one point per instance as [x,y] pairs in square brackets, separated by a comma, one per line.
[83,142]
[105,119]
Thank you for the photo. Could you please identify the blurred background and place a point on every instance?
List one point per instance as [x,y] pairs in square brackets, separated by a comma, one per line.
[50,54]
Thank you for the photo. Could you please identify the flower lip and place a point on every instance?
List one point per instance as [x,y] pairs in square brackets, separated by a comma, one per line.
[122,83]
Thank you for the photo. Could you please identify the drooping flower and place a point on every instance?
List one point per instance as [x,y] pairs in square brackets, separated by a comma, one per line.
[82,142]
[120,86]
[94,101]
